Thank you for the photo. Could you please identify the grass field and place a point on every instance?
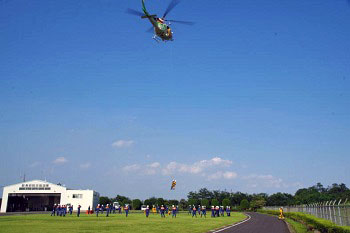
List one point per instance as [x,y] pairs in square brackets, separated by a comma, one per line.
[115,223]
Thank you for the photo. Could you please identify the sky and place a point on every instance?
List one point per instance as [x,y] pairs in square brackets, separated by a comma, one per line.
[254,97]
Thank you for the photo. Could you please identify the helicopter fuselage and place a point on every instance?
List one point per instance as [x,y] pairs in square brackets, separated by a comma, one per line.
[162,30]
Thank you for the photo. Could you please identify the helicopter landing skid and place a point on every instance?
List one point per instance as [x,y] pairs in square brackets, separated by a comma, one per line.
[156,38]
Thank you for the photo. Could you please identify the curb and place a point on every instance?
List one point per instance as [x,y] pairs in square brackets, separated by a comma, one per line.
[232,225]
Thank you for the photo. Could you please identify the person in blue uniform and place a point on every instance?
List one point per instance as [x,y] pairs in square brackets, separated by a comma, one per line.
[212,211]
[194,211]
[78,213]
[217,211]
[228,211]
[204,211]
[53,213]
[97,210]
[70,210]
[162,211]
[58,210]
[126,209]
[107,210]
[64,210]
[173,209]
[147,211]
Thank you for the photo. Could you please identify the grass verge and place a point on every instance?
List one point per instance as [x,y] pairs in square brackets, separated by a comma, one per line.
[297,227]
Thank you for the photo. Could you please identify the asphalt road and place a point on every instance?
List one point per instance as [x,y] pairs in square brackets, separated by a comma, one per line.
[258,223]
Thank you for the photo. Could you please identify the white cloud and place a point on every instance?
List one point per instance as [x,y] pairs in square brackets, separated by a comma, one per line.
[230,175]
[152,168]
[148,169]
[60,160]
[131,168]
[85,165]
[222,175]
[195,168]
[268,181]
[123,143]
[200,168]
[35,164]
[154,165]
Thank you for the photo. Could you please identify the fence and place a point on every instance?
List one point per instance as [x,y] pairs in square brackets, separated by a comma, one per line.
[339,214]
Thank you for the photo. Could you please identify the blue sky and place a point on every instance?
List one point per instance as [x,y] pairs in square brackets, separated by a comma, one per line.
[254,97]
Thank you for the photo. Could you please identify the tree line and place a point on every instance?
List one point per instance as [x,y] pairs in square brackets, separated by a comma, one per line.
[204,197]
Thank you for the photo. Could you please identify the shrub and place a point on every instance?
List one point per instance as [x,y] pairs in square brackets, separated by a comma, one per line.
[244,204]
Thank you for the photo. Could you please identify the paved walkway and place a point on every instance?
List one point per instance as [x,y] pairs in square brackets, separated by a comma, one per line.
[258,223]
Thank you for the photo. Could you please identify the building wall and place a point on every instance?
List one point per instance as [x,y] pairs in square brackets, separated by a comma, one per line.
[34,186]
[85,198]
[88,198]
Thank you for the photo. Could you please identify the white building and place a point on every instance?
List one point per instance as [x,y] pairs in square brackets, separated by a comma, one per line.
[38,195]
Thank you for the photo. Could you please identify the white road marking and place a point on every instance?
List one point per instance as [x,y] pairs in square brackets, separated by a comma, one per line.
[233,225]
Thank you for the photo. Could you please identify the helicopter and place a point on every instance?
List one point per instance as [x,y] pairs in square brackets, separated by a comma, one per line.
[160,26]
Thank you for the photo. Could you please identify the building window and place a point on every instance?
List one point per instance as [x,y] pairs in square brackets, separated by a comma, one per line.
[78,196]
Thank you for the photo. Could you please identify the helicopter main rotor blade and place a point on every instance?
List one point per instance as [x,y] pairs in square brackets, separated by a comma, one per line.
[150,30]
[172,4]
[134,12]
[182,22]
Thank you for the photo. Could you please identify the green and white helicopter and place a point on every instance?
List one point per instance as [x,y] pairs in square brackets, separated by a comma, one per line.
[160,26]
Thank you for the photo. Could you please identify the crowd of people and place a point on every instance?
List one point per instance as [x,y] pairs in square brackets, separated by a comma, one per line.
[216,211]
[63,210]
[163,210]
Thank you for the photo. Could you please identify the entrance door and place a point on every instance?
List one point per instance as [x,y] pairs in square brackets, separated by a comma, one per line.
[21,202]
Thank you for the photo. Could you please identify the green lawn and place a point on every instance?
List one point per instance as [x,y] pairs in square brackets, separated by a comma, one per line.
[114,223]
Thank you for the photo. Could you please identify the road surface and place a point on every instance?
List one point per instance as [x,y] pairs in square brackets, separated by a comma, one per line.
[258,223]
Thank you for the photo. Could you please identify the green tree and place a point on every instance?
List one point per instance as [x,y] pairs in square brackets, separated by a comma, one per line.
[104,201]
[150,201]
[136,204]
[183,204]
[215,202]
[193,202]
[237,197]
[257,203]
[280,199]
[173,202]
[205,202]
[244,204]
[205,194]
[226,202]
[160,201]
[123,200]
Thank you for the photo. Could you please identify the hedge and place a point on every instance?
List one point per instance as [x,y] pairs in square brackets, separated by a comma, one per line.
[322,225]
